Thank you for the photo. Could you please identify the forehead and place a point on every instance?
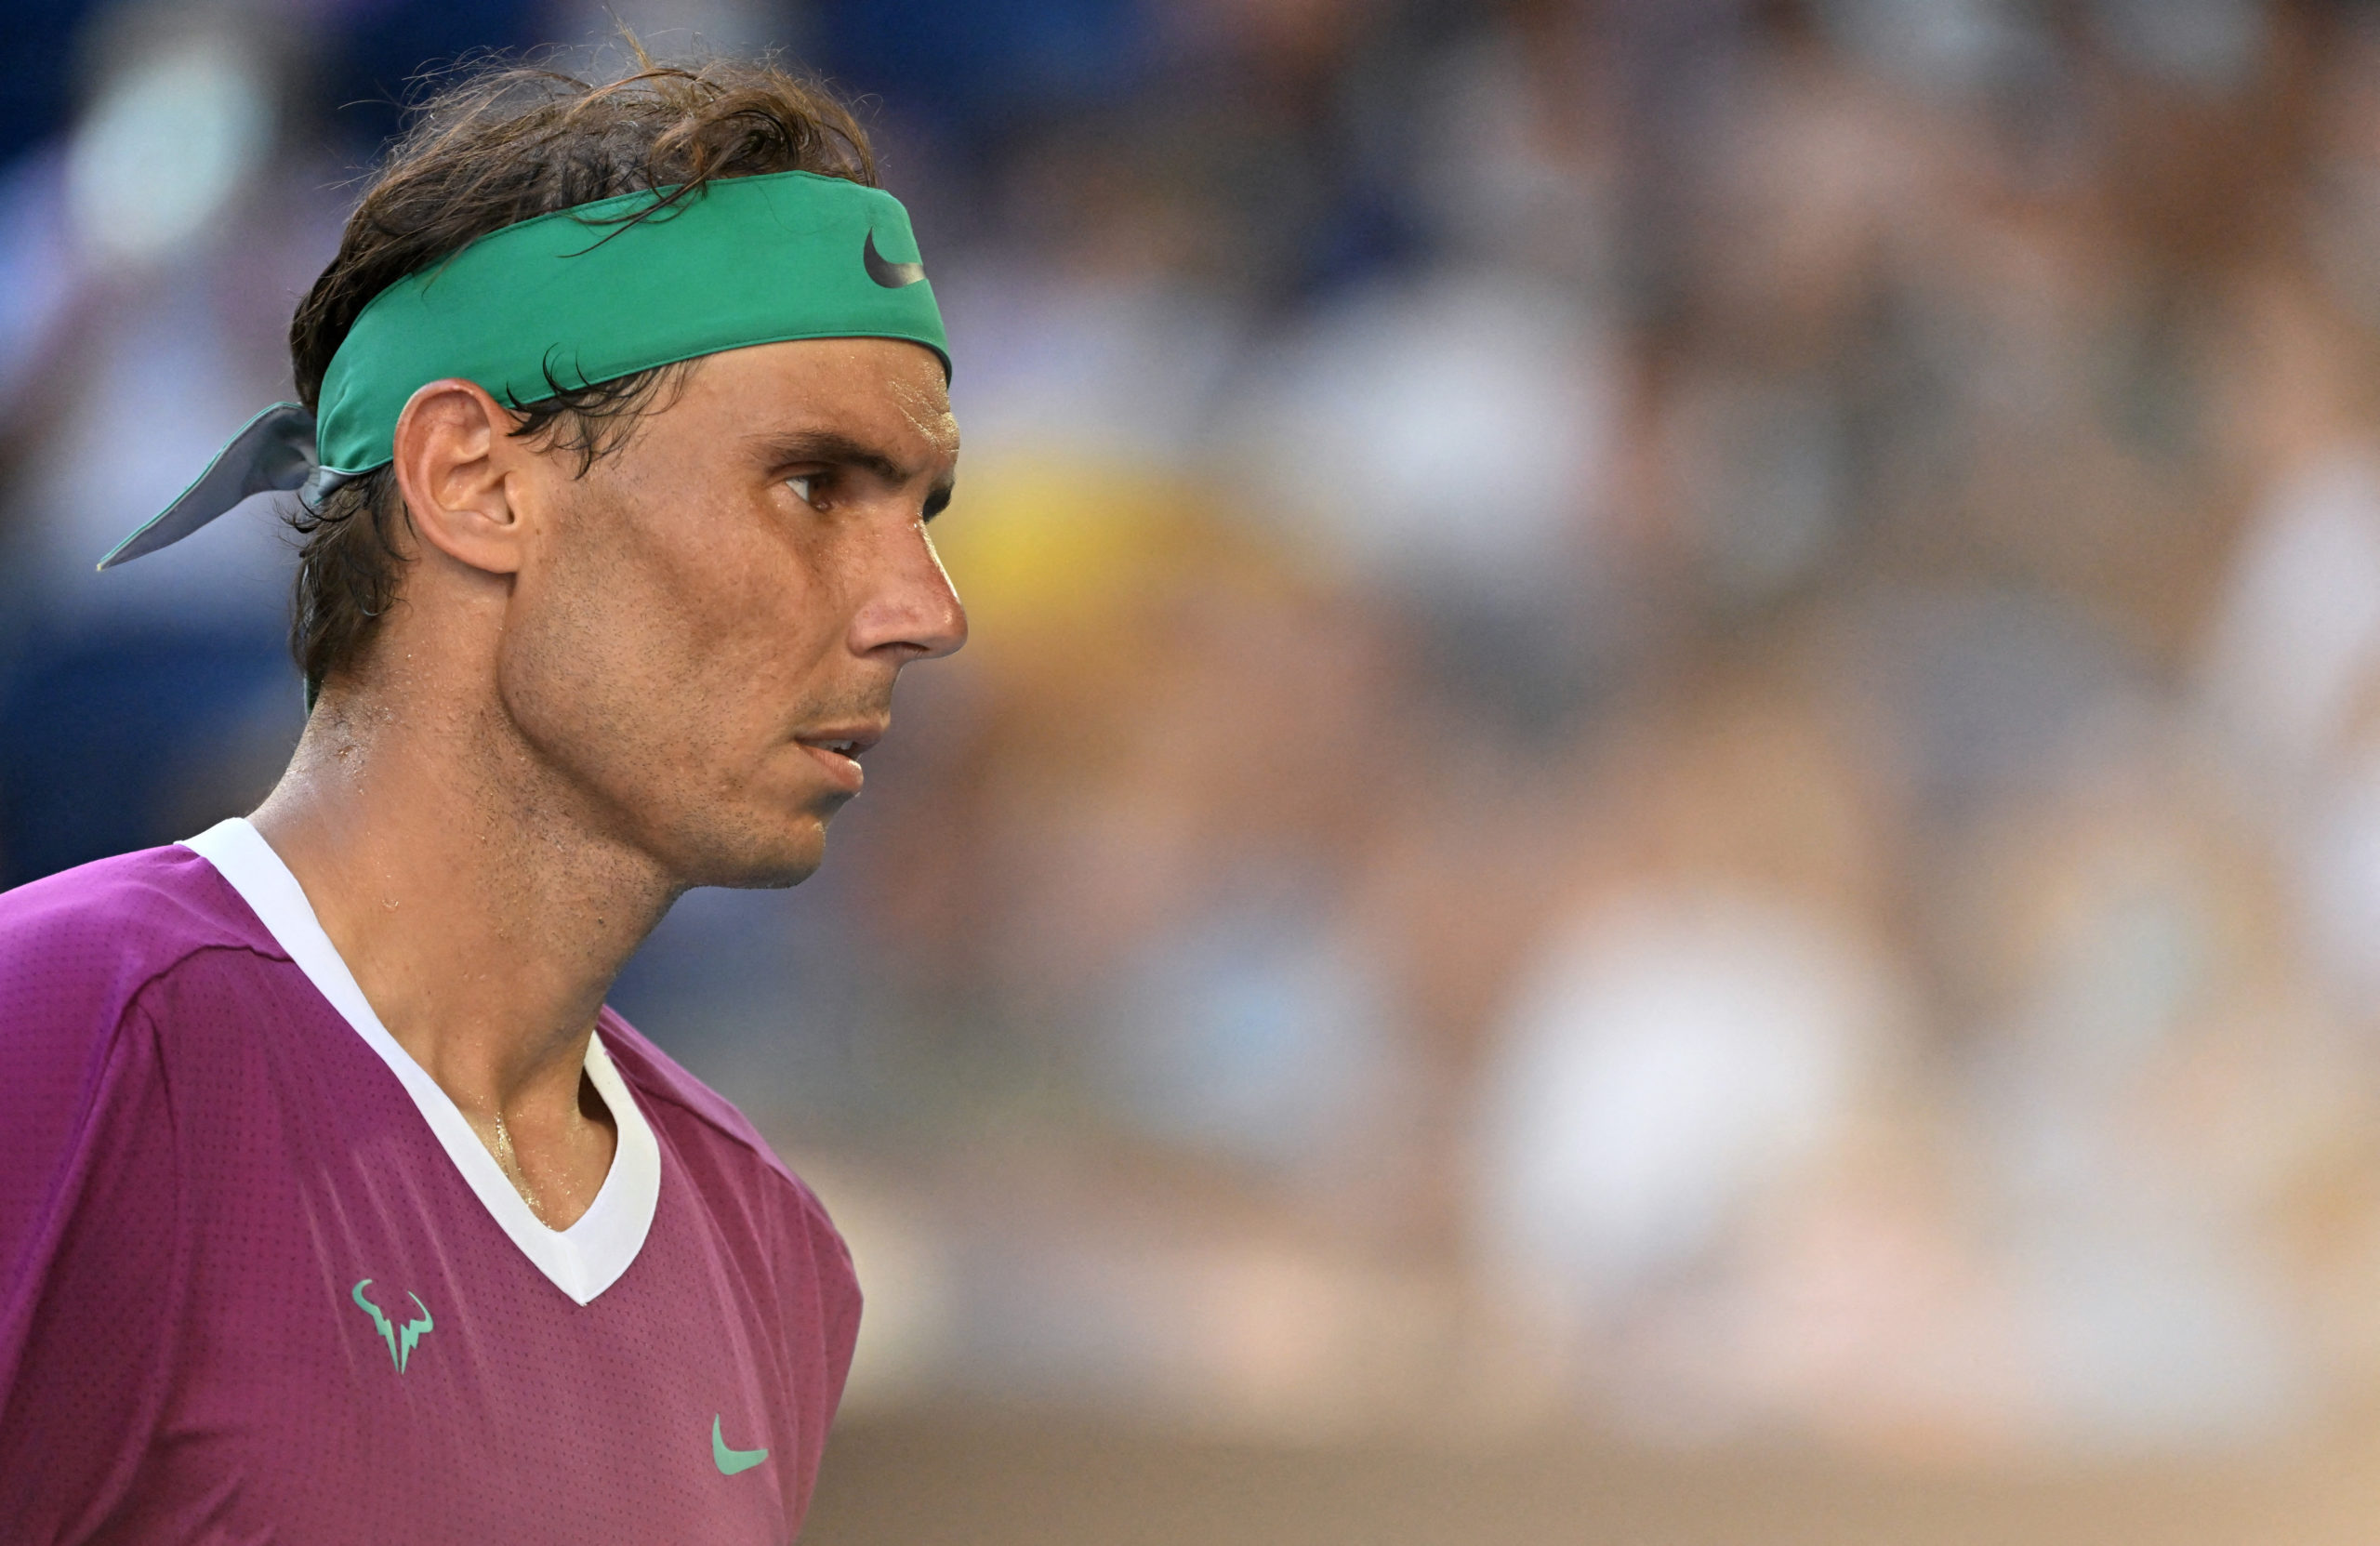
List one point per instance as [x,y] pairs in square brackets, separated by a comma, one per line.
[886,388]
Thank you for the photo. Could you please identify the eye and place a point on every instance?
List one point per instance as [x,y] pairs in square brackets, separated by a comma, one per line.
[804,487]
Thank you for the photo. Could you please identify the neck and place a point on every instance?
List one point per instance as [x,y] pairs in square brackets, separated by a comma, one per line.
[482,910]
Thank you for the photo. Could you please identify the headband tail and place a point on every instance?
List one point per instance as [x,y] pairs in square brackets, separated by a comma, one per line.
[273,452]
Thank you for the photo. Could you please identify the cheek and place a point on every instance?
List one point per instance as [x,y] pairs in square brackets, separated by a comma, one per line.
[681,659]
[601,651]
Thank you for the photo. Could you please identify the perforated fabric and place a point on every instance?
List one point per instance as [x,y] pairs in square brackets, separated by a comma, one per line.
[246,1295]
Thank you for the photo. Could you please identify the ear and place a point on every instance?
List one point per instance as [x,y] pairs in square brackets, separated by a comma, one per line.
[453,462]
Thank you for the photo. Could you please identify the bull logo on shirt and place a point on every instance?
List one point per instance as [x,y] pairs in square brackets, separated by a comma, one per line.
[400,1339]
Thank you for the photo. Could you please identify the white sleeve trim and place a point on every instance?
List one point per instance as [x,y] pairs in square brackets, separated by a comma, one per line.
[582,1260]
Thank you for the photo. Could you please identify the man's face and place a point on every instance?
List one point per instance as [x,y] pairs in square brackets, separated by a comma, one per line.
[707,627]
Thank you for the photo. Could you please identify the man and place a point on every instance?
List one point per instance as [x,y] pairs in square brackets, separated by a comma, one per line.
[334,1204]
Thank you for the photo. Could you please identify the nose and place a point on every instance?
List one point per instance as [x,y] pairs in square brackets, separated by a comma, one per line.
[911,611]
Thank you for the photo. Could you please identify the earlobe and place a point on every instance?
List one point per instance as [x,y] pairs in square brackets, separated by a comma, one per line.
[453,463]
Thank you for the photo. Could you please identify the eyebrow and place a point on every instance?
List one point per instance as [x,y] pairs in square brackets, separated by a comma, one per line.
[834,450]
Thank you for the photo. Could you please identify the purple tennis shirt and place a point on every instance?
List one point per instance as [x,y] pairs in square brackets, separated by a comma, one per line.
[261,1282]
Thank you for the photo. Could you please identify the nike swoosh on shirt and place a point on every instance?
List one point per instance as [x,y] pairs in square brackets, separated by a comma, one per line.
[730,1462]
[885,271]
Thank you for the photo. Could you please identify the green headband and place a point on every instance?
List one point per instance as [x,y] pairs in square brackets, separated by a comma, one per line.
[583,296]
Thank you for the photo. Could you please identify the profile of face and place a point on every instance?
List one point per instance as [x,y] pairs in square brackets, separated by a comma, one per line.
[695,640]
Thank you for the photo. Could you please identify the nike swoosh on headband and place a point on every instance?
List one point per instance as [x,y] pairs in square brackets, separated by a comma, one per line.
[885,271]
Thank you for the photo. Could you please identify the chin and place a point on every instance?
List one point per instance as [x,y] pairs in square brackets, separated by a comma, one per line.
[750,839]
[771,858]
[781,873]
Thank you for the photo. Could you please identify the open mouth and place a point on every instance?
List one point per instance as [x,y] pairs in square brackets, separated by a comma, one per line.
[839,753]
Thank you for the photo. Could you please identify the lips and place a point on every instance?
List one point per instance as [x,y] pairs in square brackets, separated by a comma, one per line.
[837,749]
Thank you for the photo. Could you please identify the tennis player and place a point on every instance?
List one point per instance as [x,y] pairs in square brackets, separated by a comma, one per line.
[335,1206]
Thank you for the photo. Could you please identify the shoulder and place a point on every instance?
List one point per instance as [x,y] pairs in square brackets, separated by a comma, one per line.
[80,947]
[698,1117]
[80,953]
[769,1221]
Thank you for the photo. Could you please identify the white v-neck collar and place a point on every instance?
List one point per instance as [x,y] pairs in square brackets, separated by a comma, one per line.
[582,1260]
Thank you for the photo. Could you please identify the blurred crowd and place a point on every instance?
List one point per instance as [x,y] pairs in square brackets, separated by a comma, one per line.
[1674,717]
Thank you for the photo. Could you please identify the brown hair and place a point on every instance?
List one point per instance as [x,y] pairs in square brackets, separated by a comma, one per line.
[503,144]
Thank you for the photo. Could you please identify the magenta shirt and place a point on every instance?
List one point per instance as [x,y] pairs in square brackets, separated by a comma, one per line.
[247,1293]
